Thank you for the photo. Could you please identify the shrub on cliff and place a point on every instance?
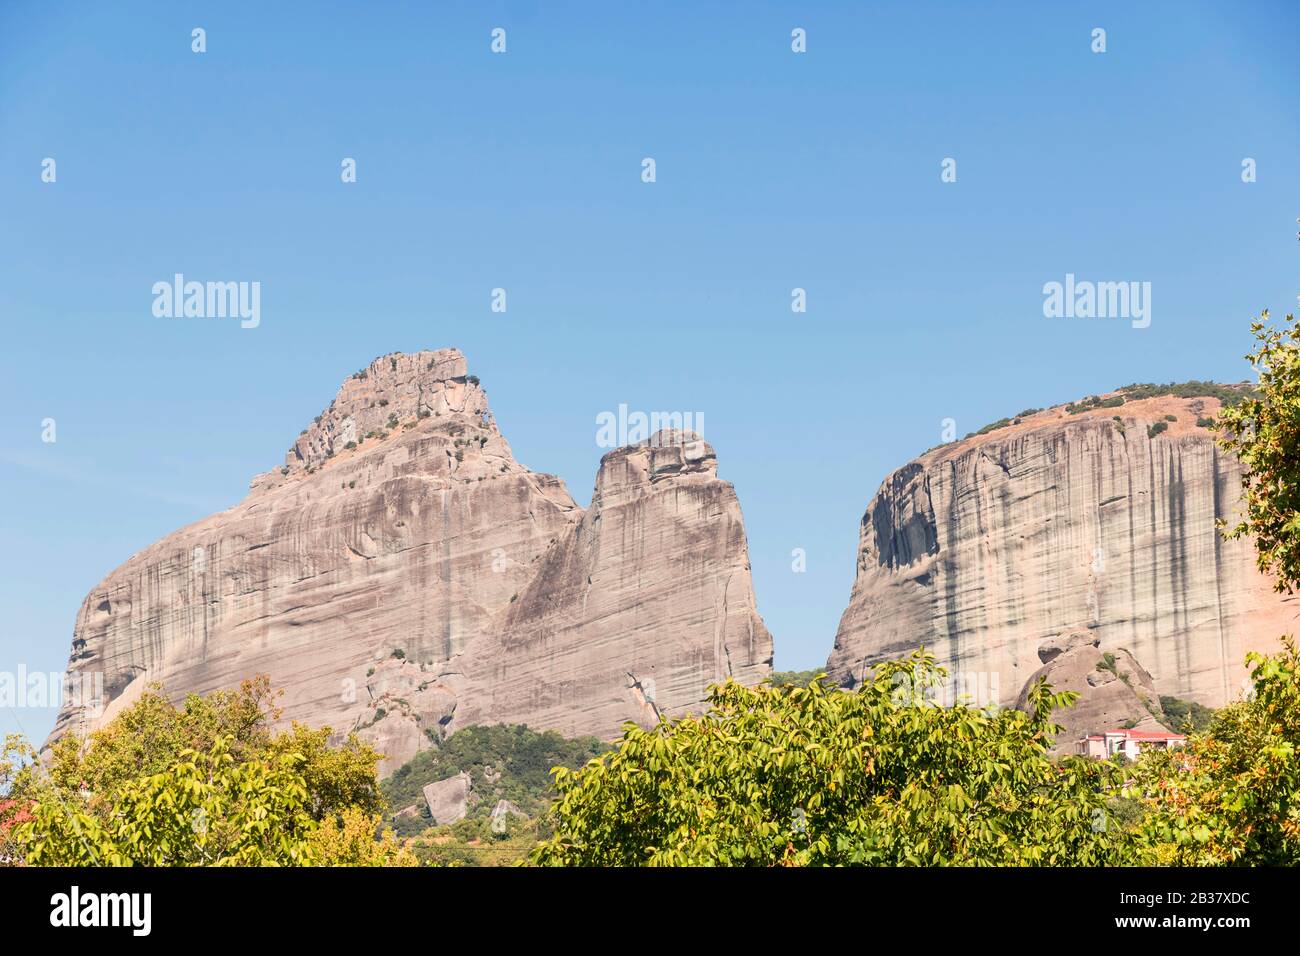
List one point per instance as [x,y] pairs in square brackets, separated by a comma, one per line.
[1185,714]
[797,678]
[1226,394]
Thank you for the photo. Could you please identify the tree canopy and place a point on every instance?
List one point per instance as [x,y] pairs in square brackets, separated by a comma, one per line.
[816,776]
[885,777]
[1232,797]
[208,783]
[1263,431]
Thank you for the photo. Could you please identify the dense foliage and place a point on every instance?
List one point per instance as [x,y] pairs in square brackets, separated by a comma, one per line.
[1185,715]
[207,783]
[813,776]
[885,777]
[474,841]
[348,839]
[1233,795]
[1263,431]
[205,809]
[15,753]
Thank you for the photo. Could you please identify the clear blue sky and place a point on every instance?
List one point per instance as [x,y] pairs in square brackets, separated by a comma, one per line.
[522,171]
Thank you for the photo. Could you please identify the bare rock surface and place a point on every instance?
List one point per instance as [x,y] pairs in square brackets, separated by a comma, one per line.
[984,548]
[448,799]
[638,608]
[1115,691]
[403,576]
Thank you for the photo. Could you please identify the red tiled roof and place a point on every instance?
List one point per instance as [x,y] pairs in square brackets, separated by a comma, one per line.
[1148,734]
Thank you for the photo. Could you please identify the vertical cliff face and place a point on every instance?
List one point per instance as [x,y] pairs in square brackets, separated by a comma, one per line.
[385,573]
[983,549]
[643,604]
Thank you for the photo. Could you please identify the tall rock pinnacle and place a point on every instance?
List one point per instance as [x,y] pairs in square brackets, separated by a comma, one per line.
[402,575]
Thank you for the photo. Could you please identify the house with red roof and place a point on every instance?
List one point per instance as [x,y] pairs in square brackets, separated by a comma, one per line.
[1129,743]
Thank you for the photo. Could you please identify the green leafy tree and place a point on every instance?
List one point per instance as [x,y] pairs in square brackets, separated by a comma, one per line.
[337,778]
[207,809]
[205,783]
[1263,431]
[349,839]
[15,755]
[816,776]
[150,735]
[1232,796]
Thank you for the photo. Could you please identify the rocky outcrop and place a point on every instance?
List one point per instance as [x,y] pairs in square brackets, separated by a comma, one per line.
[448,800]
[402,575]
[1115,691]
[1103,519]
[637,610]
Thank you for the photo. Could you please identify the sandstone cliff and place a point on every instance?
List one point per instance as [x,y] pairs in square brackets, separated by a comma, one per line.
[402,575]
[637,610]
[1115,691]
[984,548]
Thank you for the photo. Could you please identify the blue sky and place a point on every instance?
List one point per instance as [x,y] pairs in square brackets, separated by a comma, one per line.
[522,170]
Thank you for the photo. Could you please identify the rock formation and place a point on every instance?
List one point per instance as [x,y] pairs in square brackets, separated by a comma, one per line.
[637,610]
[448,800]
[1115,691]
[1099,517]
[402,575]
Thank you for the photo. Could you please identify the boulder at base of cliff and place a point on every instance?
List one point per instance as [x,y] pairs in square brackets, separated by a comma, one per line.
[448,799]
[1115,691]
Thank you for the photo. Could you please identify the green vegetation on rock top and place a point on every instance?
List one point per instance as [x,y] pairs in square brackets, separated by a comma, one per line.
[1228,395]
